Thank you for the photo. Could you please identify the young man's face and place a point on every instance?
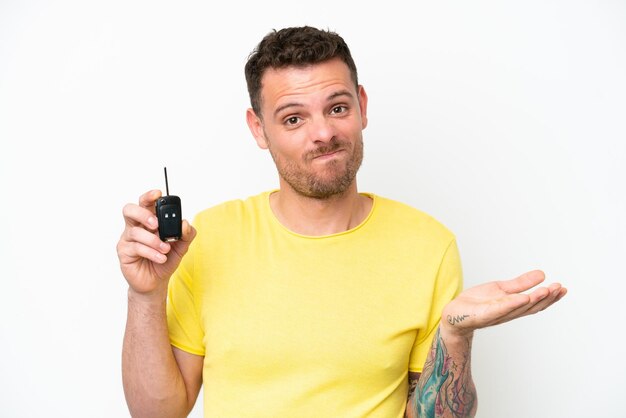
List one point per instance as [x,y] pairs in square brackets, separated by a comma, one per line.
[312,122]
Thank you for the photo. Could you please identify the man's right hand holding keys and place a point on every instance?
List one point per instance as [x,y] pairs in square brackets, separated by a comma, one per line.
[159,380]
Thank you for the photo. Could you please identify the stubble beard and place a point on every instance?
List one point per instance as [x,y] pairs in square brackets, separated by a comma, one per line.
[336,179]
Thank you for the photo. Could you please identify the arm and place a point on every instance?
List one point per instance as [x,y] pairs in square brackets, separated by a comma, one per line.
[445,387]
[414,378]
[159,380]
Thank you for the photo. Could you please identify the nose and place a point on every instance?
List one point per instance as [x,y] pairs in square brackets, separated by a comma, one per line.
[321,130]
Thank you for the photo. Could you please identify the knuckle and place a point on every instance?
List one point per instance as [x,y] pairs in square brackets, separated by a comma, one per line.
[134,233]
[127,209]
[123,246]
[124,254]
[135,250]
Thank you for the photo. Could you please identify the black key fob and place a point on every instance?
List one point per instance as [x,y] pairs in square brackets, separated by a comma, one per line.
[170,215]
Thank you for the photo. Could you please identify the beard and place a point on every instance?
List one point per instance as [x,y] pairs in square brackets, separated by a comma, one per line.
[335,178]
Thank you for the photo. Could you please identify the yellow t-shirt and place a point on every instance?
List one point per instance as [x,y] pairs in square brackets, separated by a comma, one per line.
[299,326]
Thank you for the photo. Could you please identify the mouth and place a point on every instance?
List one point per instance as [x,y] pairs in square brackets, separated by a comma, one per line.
[328,155]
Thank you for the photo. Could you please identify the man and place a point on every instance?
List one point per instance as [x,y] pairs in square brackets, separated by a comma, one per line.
[313,300]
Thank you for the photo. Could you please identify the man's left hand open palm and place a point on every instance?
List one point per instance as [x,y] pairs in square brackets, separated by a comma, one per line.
[500,301]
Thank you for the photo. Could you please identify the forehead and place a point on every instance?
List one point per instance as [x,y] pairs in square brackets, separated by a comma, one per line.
[305,82]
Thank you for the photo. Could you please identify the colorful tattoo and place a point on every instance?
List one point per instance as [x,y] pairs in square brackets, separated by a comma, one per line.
[429,385]
[445,387]
[461,397]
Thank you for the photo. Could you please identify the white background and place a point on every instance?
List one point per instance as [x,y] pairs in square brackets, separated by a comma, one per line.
[504,120]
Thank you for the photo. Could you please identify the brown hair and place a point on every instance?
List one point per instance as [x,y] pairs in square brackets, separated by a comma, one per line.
[297,46]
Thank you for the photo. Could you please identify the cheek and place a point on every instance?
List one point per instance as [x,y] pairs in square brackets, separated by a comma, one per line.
[291,144]
[349,129]
[285,149]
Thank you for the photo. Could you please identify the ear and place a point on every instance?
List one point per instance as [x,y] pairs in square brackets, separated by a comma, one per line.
[363,106]
[256,128]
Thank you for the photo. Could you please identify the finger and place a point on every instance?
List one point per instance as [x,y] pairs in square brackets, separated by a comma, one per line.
[540,293]
[181,246]
[147,238]
[189,232]
[551,299]
[130,251]
[522,283]
[137,215]
[537,302]
[148,199]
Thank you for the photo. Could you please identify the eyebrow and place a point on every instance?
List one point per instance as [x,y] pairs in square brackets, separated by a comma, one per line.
[287,106]
[339,94]
[333,96]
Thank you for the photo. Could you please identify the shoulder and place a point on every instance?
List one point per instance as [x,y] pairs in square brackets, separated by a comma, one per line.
[393,214]
[232,210]
[233,221]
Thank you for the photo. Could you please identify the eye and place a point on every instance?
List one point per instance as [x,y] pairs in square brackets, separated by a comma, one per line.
[338,109]
[293,120]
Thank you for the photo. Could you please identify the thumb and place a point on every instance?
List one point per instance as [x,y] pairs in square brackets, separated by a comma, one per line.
[189,232]
[181,246]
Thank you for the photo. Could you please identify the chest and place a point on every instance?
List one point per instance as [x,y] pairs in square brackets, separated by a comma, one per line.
[329,313]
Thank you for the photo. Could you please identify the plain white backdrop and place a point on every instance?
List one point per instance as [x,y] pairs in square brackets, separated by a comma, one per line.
[504,120]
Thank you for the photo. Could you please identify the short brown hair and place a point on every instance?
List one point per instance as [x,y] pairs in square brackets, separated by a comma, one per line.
[296,46]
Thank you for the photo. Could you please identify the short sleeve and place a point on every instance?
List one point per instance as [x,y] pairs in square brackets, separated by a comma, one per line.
[448,284]
[183,317]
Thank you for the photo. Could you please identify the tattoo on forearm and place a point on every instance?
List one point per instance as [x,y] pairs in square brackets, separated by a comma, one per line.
[426,395]
[461,393]
[445,388]
[453,320]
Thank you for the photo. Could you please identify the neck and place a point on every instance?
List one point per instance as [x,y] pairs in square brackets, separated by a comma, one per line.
[317,217]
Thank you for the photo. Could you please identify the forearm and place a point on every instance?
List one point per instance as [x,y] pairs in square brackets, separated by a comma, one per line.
[153,384]
[445,388]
